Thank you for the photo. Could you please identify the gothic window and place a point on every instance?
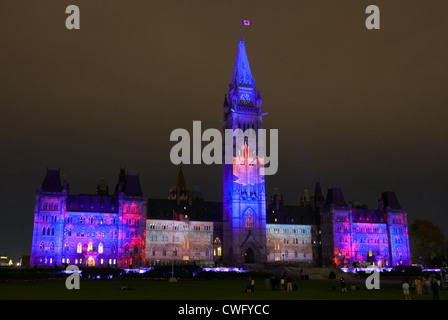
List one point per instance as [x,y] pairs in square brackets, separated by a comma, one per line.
[175,252]
[135,249]
[249,218]
[79,248]
[52,247]
[42,246]
[100,248]
[52,231]
[112,248]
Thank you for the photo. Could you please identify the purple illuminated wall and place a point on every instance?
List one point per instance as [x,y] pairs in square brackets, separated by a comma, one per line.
[353,235]
[87,230]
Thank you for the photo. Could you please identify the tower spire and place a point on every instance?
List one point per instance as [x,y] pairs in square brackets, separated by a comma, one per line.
[241,71]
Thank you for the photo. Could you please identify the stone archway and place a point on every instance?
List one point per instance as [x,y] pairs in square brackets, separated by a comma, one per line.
[90,262]
[249,256]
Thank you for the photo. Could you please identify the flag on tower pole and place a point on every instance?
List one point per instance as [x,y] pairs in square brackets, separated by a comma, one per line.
[246,22]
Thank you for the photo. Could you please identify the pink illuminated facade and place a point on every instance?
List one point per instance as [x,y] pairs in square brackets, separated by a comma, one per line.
[89,230]
[352,235]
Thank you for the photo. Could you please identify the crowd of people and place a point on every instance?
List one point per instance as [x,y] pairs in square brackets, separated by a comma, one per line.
[423,285]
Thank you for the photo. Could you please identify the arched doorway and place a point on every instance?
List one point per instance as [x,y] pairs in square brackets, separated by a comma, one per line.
[90,262]
[249,256]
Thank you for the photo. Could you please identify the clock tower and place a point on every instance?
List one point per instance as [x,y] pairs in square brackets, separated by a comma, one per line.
[244,198]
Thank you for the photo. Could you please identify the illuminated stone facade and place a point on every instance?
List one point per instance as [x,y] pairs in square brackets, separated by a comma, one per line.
[353,235]
[125,228]
[89,230]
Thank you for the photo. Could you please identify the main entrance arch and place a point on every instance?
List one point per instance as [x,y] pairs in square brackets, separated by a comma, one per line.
[249,256]
[90,262]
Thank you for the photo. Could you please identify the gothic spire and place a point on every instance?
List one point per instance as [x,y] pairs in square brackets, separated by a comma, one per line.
[241,70]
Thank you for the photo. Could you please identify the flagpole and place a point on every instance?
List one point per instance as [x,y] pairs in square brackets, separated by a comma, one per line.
[172,279]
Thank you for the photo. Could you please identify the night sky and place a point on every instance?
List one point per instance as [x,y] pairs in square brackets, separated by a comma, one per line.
[357,109]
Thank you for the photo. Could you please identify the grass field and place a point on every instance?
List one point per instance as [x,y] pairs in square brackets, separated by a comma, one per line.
[199,290]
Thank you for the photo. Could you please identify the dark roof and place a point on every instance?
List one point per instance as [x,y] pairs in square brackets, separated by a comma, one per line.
[367,215]
[288,214]
[52,181]
[92,203]
[197,211]
[335,197]
[132,185]
[390,200]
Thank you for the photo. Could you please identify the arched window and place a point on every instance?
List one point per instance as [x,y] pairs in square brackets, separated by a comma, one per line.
[249,218]
[100,248]
[52,247]
[42,246]
[79,248]
[135,249]
[175,252]
[52,231]
[126,248]
[43,231]
[112,248]
[90,247]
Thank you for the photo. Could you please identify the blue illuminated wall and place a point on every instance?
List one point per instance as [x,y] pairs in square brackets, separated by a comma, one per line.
[244,203]
[89,230]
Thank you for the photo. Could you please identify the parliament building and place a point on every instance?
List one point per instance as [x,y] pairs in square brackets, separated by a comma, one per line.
[125,228]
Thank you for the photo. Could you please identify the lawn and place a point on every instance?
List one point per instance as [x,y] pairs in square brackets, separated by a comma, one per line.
[198,290]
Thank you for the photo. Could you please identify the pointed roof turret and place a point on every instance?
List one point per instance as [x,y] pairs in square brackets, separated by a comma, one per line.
[180,181]
[241,70]
[318,195]
[180,190]
[335,197]
[52,181]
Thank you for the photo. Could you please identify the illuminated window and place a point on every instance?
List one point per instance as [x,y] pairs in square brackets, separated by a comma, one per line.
[90,247]
[100,248]
[249,218]
[79,248]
